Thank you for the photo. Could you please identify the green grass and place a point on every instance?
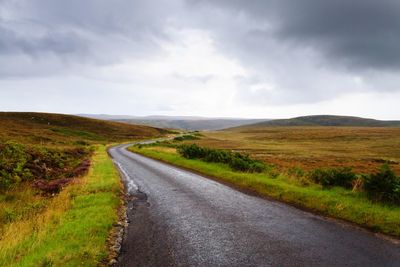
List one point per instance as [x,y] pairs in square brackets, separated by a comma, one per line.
[335,202]
[70,228]
[73,229]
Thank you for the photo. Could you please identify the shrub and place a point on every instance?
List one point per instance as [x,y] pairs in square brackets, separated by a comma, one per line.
[333,177]
[214,155]
[13,158]
[186,137]
[257,166]
[191,151]
[19,163]
[383,186]
[239,164]
[237,161]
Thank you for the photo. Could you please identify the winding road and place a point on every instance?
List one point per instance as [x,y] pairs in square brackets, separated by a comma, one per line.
[178,218]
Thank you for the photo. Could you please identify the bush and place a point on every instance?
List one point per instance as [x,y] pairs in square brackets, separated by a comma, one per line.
[19,163]
[239,164]
[186,137]
[13,158]
[214,155]
[333,177]
[383,186]
[237,161]
[191,151]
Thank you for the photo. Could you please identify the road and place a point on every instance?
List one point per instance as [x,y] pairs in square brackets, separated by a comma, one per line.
[178,218]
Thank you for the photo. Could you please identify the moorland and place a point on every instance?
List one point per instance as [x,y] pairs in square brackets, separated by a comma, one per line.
[59,191]
[345,172]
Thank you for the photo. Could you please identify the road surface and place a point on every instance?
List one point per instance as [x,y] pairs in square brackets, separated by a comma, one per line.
[178,218]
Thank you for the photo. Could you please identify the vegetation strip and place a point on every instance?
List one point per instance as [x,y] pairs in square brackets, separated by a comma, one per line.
[73,227]
[334,202]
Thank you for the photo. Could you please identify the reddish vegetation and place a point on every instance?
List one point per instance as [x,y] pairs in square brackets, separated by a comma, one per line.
[55,186]
[51,187]
[82,168]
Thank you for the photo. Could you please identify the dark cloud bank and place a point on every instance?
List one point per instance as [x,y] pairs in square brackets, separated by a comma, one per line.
[360,33]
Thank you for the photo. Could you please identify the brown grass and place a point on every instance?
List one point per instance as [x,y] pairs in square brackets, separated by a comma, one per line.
[362,148]
[63,130]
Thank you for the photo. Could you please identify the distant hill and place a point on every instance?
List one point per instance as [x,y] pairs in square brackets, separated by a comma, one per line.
[36,128]
[194,125]
[178,122]
[151,117]
[328,120]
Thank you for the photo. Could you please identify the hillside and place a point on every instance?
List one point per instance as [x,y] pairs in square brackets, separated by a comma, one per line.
[328,120]
[189,123]
[58,182]
[58,129]
[193,125]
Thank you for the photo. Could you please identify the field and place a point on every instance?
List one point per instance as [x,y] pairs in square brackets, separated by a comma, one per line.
[362,148]
[291,154]
[59,191]
[69,229]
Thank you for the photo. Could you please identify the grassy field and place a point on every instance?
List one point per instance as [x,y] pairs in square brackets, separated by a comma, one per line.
[65,225]
[362,148]
[334,202]
[70,229]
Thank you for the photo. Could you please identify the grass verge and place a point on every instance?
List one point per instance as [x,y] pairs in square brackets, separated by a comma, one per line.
[73,228]
[335,202]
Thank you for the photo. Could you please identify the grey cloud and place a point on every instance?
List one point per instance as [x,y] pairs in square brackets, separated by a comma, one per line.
[361,34]
[55,42]
[70,33]
[309,50]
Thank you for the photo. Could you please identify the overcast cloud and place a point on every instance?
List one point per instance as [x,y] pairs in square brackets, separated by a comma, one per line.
[260,58]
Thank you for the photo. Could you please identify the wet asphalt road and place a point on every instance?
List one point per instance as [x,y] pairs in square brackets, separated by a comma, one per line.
[178,218]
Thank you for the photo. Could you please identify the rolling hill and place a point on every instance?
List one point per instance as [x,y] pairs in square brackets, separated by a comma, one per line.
[189,123]
[35,146]
[58,129]
[327,120]
[194,125]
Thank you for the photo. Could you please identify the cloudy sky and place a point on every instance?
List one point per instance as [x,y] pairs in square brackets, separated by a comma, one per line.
[231,58]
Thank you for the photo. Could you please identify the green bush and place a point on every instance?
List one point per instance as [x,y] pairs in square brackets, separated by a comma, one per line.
[214,155]
[383,186]
[13,158]
[186,137]
[333,177]
[191,151]
[236,161]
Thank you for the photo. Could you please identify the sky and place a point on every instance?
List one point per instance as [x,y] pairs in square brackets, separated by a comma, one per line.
[214,58]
